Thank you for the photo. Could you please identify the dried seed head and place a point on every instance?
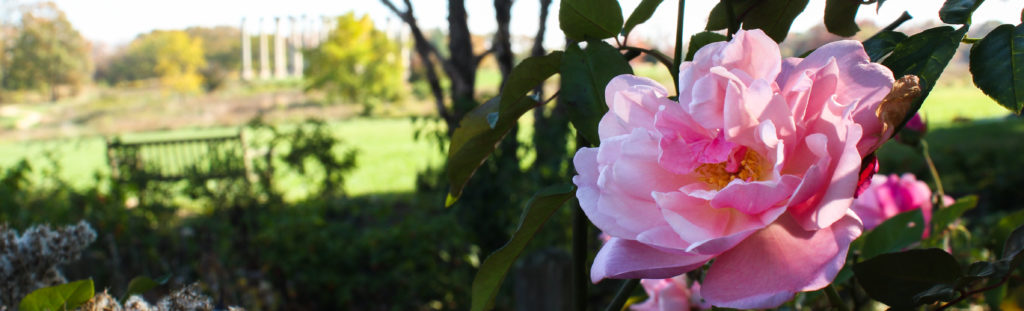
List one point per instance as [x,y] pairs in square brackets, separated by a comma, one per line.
[896,104]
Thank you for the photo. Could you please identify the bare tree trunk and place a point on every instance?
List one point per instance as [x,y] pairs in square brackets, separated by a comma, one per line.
[463,62]
[502,44]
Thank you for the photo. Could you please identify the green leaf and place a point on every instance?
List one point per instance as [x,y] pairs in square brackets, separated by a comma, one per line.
[840,17]
[524,78]
[61,297]
[982,269]
[585,74]
[701,39]
[141,284]
[583,20]
[493,270]
[773,16]
[938,292]
[897,278]
[997,66]
[1013,249]
[958,11]
[882,43]
[925,55]
[641,14]
[483,128]
[894,234]
[942,217]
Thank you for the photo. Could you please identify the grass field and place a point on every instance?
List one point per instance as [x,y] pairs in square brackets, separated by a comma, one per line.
[388,156]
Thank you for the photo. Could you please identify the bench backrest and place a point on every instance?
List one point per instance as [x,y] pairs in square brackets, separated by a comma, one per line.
[176,159]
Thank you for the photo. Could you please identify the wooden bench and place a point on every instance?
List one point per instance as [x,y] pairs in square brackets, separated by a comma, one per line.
[219,157]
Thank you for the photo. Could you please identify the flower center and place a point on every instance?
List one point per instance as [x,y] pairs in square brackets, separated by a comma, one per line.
[743,164]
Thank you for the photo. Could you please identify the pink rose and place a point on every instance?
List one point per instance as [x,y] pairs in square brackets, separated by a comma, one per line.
[891,195]
[756,167]
[671,294]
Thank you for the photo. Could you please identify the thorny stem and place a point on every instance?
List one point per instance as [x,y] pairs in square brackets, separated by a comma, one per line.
[579,248]
[662,58]
[939,193]
[678,59]
[834,299]
[622,295]
[973,292]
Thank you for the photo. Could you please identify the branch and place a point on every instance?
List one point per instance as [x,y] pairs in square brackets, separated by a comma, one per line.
[973,292]
[409,18]
[423,50]
[479,58]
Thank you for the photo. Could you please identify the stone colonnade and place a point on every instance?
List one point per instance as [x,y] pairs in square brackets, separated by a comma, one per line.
[303,33]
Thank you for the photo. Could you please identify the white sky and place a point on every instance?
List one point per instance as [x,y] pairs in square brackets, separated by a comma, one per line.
[118,21]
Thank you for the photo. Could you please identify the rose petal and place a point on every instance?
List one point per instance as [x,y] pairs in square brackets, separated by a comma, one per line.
[769,267]
[628,259]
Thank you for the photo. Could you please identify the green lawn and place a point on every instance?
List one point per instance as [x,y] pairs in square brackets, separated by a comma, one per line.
[946,104]
[388,156]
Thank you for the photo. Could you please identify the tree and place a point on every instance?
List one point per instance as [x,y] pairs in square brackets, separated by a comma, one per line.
[48,52]
[357,63]
[221,48]
[172,56]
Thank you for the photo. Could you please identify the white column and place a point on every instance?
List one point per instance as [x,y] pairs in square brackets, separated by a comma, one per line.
[280,57]
[297,45]
[247,73]
[264,54]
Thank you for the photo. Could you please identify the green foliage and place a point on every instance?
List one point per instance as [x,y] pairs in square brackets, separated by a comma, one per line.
[897,278]
[925,55]
[773,16]
[942,217]
[701,39]
[997,66]
[1013,249]
[882,43]
[61,297]
[171,56]
[485,126]
[47,52]
[585,74]
[584,20]
[357,63]
[840,17]
[221,49]
[493,270]
[958,11]
[641,14]
[894,234]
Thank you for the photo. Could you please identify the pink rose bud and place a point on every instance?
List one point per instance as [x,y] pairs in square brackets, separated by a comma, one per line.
[913,131]
[671,294]
[891,195]
[755,166]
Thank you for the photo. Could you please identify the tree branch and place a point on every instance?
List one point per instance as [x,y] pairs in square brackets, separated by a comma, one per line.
[479,58]
[424,50]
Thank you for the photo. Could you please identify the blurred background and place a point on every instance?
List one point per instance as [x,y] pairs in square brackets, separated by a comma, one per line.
[290,154]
